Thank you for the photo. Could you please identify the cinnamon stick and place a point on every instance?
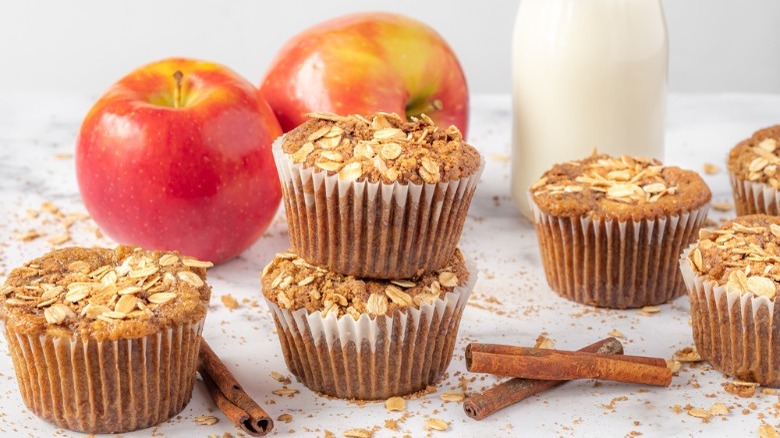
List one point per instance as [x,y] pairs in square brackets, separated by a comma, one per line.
[227,393]
[517,389]
[536,363]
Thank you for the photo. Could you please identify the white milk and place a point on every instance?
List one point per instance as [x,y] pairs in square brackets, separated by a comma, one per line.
[586,73]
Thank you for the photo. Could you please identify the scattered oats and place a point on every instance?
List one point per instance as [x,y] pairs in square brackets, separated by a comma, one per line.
[648,310]
[280,378]
[767,431]
[722,206]
[741,389]
[286,418]
[452,396]
[542,341]
[395,404]
[229,301]
[719,409]
[50,208]
[59,239]
[435,424]
[616,333]
[27,236]
[699,413]
[358,433]
[687,354]
[206,420]
[674,365]
[284,391]
[769,391]
[711,169]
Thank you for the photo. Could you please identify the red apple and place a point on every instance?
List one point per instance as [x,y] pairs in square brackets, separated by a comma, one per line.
[359,64]
[177,156]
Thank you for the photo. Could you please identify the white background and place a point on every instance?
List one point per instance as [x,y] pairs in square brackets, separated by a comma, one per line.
[85,45]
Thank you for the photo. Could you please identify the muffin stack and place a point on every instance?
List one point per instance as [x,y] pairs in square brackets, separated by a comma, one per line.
[733,273]
[368,300]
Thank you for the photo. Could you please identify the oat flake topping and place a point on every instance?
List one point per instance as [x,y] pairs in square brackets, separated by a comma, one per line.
[381,147]
[743,255]
[133,288]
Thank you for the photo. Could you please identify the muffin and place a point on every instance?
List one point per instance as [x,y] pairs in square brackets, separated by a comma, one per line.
[366,339]
[376,197]
[733,276]
[752,168]
[610,229]
[105,341]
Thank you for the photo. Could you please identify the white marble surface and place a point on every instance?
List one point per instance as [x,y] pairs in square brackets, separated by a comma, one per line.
[511,304]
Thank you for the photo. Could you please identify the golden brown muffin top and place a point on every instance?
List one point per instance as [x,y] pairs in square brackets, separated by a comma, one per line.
[619,188]
[743,255]
[381,147]
[756,159]
[121,293]
[293,284]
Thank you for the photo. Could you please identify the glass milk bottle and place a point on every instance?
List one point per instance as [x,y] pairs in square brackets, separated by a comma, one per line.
[586,74]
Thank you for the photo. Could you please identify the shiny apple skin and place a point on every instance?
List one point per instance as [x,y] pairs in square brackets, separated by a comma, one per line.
[367,62]
[199,178]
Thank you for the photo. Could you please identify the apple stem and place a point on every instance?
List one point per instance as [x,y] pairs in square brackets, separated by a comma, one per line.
[424,108]
[177,91]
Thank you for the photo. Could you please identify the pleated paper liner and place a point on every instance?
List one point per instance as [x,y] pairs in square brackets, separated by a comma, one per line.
[754,197]
[738,334]
[615,264]
[108,386]
[372,230]
[372,359]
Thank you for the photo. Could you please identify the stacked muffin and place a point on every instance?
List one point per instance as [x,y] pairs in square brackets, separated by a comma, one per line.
[368,300]
[106,341]
[610,228]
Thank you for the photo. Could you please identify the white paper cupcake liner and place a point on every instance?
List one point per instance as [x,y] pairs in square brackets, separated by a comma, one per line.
[372,230]
[373,359]
[616,264]
[109,386]
[754,197]
[739,334]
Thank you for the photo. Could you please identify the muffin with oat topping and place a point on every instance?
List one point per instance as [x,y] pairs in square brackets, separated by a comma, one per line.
[610,229]
[376,197]
[752,166]
[733,279]
[105,341]
[366,339]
